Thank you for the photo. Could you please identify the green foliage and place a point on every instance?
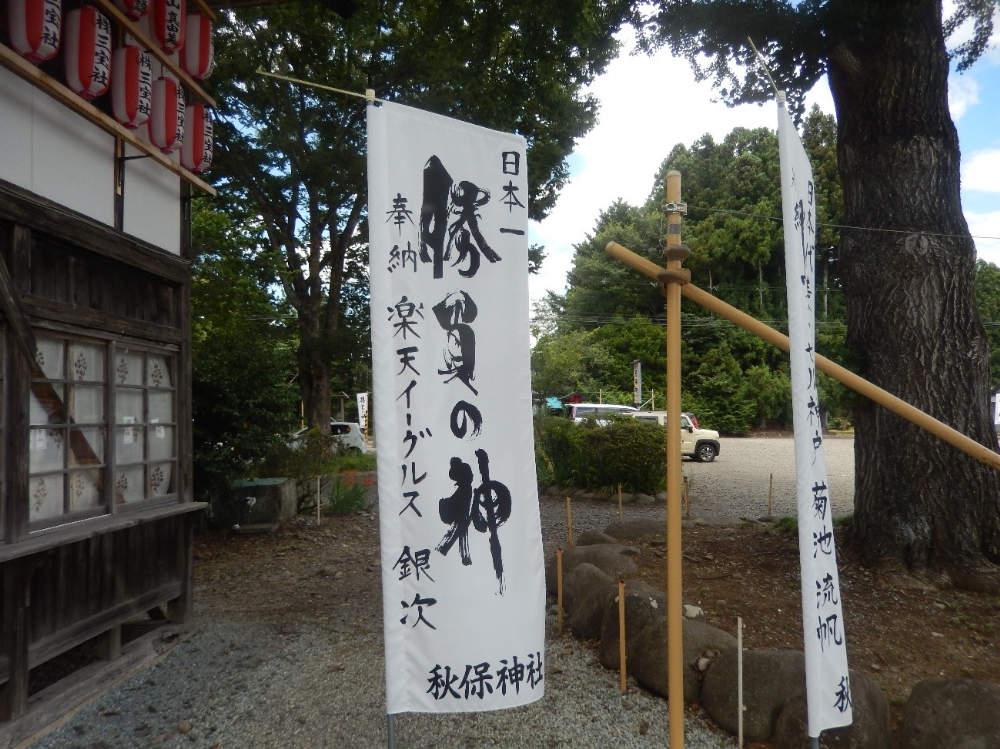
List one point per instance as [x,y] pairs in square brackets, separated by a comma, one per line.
[988,301]
[625,451]
[315,454]
[292,158]
[242,362]
[346,496]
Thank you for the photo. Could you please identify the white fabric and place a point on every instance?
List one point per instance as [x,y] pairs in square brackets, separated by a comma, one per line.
[363,410]
[445,347]
[827,681]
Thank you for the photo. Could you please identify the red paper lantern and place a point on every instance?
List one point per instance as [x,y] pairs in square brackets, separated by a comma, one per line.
[134,9]
[169,21]
[199,140]
[198,55]
[34,28]
[131,85]
[166,115]
[88,52]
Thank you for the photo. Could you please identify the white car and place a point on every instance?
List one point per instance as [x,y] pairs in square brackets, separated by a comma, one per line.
[580,411]
[346,434]
[700,444]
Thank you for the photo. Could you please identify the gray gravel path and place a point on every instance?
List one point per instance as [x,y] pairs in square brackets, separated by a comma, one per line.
[312,683]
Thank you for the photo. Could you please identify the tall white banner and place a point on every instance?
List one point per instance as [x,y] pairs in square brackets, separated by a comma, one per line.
[462,568]
[828,690]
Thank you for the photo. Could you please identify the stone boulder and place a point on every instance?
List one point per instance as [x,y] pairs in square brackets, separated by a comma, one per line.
[590,538]
[636,529]
[871,728]
[612,559]
[585,589]
[952,714]
[770,679]
[643,604]
[647,658]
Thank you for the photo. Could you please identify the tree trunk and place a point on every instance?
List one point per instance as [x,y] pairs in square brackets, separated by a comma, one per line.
[911,310]
[315,374]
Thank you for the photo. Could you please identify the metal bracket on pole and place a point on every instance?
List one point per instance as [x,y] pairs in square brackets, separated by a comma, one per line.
[675,207]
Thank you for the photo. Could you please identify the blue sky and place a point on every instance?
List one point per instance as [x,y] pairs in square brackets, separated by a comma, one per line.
[619,158]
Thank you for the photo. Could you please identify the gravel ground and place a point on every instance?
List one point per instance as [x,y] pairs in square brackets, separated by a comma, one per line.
[317,681]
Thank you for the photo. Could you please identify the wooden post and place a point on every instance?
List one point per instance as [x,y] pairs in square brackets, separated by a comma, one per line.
[318,502]
[672,280]
[770,491]
[687,498]
[559,590]
[619,500]
[569,521]
[739,679]
[621,632]
[16,587]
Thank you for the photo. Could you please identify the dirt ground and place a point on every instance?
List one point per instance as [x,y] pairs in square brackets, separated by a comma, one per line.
[899,635]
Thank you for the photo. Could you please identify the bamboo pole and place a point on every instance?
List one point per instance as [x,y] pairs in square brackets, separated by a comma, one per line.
[559,590]
[888,401]
[569,522]
[770,493]
[621,632]
[739,679]
[674,255]
[687,498]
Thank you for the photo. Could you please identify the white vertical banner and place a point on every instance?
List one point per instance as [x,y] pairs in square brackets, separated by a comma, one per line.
[462,568]
[828,691]
[363,410]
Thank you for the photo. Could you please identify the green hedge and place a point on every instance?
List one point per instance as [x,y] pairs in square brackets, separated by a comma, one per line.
[625,451]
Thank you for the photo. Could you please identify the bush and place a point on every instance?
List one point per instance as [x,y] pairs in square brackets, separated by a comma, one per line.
[346,496]
[625,451]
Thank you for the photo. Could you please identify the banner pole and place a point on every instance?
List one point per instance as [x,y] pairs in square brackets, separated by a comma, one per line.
[674,254]
[390,720]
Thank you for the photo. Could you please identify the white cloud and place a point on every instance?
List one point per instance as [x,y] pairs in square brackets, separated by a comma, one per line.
[985,228]
[982,171]
[963,92]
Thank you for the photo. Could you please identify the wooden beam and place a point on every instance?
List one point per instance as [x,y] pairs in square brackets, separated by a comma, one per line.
[123,21]
[203,7]
[14,693]
[19,66]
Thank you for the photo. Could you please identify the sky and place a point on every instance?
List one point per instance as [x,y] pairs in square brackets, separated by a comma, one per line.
[636,131]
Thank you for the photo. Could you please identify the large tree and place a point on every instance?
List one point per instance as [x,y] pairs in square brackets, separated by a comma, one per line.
[907,261]
[297,154]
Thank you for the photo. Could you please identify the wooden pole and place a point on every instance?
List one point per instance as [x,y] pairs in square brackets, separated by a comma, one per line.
[674,254]
[569,522]
[318,503]
[888,401]
[621,632]
[770,492]
[739,679]
[559,590]
[619,500]
[687,498]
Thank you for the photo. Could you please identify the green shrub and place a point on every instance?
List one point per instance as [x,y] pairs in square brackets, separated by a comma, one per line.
[625,451]
[346,496]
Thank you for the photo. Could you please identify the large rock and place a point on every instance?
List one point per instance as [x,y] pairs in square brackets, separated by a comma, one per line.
[612,559]
[590,538]
[647,659]
[587,615]
[871,728]
[580,581]
[770,679]
[643,605]
[952,714]
[636,529]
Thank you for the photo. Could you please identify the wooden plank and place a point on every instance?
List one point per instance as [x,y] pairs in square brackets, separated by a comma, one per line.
[10,302]
[153,48]
[21,67]
[53,706]
[14,692]
[108,646]
[20,360]
[91,528]
[69,637]
[77,316]
[44,216]
[180,608]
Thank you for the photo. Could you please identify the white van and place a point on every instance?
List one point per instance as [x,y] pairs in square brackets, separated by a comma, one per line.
[580,411]
[700,444]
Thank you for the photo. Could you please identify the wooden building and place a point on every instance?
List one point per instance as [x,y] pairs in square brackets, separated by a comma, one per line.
[96,501]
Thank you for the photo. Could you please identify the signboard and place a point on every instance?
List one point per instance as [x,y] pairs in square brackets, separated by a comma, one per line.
[462,567]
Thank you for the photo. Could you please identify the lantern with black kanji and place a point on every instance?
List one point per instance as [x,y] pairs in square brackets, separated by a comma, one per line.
[35,28]
[198,55]
[166,115]
[169,21]
[131,85]
[87,52]
[134,9]
[199,139]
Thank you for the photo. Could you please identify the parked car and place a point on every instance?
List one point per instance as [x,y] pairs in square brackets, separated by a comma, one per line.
[347,435]
[700,444]
[580,411]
